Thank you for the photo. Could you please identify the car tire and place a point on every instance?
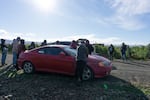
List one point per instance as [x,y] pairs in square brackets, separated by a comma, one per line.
[28,67]
[87,74]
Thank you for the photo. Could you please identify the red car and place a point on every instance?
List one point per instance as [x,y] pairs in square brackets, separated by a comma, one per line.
[62,59]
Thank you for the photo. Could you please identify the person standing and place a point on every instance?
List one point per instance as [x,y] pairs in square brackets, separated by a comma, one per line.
[4,50]
[21,47]
[15,45]
[123,51]
[82,55]
[32,46]
[89,47]
[73,45]
[129,54]
[44,43]
[111,51]
[57,42]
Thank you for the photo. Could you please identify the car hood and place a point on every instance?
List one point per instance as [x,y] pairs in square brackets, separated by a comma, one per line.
[98,58]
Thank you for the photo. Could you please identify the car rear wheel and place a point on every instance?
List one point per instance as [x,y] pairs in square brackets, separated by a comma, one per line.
[28,67]
[87,74]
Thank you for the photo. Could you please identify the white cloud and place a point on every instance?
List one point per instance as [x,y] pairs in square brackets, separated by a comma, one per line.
[131,7]
[33,37]
[3,32]
[127,13]
[91,37]
[128,23]
[12,35]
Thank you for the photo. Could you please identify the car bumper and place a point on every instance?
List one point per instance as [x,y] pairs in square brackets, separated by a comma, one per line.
[20,63]
[102,71]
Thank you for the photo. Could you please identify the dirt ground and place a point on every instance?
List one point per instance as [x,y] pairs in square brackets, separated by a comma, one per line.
[128,80]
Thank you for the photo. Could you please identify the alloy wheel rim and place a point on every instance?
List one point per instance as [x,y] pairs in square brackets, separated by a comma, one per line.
[28,67]
[86,74]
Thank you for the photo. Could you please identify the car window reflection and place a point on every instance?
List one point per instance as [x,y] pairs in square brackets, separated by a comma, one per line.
[50,51]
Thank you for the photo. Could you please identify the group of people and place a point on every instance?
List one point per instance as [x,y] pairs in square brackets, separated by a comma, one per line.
[18,46]
[123,50]
[89,46]
[83,50]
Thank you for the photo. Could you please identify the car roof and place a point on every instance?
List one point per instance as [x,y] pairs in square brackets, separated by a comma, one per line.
[60,46]
[56,45]
[61,43]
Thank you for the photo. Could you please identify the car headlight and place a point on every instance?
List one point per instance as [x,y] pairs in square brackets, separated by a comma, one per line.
[104,64]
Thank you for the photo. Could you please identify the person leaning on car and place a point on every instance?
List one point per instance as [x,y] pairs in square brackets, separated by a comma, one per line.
[82,55]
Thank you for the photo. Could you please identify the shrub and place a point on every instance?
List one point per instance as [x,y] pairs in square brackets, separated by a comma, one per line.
[117,53]
[101,50]
[139,52]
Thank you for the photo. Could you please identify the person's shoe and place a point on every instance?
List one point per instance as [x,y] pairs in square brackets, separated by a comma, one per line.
[2,64]
[14,69]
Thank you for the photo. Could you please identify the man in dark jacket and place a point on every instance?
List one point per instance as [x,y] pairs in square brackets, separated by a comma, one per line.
[111,51]
[82,55]
[44,43]
[123,51]
[4,49]
[89,47]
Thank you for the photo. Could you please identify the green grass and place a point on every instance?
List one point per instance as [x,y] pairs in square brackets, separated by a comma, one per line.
[145,90]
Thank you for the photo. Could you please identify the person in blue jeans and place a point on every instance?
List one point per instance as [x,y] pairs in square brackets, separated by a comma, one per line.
[111,51]
[123,51]
[15,46]
[4,50]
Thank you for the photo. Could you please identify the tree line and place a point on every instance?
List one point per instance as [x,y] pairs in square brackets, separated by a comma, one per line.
[133,52]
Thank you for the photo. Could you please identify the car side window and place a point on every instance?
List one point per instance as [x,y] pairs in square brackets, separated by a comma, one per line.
[53,51]
[42,51]
[50,50]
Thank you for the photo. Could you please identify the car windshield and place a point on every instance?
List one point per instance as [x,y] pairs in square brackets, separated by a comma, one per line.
[70,51]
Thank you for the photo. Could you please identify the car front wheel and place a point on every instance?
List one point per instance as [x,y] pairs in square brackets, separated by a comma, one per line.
[87,74]
[28,67]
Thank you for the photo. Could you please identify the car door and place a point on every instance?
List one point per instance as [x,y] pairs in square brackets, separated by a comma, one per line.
[58,61]
[40,60]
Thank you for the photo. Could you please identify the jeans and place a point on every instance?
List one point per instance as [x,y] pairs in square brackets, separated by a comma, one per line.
[14,58]
[4,54]
[124,56]
[111,55]
[79,68]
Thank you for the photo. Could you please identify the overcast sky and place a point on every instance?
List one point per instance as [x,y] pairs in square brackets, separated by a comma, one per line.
[100,21]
